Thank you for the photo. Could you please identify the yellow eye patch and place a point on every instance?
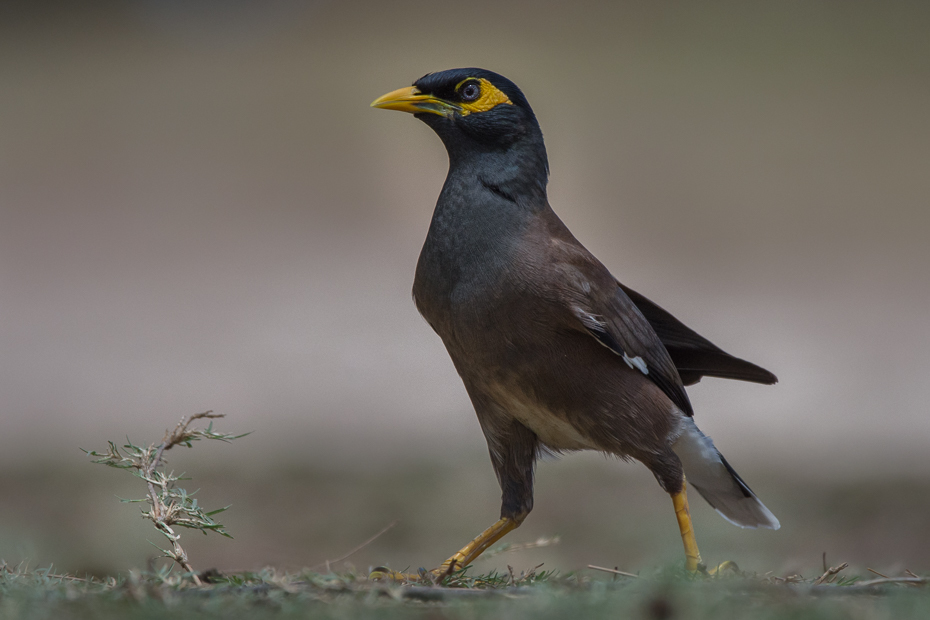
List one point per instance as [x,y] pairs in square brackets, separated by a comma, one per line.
[490,97]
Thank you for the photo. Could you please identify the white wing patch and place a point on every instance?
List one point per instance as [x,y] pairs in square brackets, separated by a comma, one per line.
[636,362]
[590,321]
[593,323]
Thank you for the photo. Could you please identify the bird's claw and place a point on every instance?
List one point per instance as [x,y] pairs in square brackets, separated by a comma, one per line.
[385,574]
[727,567]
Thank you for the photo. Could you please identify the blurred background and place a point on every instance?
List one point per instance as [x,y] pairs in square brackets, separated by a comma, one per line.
[198,210]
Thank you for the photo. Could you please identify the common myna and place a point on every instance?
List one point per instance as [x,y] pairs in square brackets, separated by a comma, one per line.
[555,353]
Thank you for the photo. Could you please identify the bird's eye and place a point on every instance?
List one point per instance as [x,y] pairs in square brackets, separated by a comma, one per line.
[470,92]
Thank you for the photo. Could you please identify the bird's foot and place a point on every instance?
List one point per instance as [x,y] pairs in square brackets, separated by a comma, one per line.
[699,569]
[464,557]
[385,574]
[727,567]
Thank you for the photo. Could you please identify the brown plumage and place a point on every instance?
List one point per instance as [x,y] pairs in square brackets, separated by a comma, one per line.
[554,352]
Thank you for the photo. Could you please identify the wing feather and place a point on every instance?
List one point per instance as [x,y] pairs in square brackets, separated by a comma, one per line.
[618,324]
[695,356]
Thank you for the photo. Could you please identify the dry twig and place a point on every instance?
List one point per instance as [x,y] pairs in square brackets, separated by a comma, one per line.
[918,581]
[830,572]
[327,563]
[507,548]
[613,571]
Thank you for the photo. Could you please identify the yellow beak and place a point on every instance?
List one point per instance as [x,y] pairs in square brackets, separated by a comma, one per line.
[411,100]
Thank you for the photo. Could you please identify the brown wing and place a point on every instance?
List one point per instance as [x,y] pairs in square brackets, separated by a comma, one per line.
[695,356]
[616,322]
[590,293]
[608,314]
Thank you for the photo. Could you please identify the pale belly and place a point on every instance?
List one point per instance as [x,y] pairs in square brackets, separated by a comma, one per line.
[551,429]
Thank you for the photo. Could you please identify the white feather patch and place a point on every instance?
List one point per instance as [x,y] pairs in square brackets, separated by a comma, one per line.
[636,362]
[594,323]
[706,472]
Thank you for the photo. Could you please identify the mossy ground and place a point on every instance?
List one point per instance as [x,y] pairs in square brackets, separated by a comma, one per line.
[664,594]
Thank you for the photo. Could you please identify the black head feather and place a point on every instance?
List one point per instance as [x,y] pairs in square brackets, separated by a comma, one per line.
[442,84]
[506,138]
[500,126]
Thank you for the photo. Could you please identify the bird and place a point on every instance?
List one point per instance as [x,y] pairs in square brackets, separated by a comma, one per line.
[556,355]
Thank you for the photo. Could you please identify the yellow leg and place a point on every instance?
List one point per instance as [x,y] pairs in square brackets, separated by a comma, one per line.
[692,555]
[467,554]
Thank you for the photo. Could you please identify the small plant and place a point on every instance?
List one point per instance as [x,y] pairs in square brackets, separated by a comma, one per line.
[169,505]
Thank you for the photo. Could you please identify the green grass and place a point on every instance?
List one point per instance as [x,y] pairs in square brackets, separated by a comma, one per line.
[666,593]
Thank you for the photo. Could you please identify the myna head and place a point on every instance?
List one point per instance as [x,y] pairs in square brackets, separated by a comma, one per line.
[476,103]
[477,112]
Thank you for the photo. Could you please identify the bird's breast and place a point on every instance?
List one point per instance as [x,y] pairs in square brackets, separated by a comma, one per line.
[464,287]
